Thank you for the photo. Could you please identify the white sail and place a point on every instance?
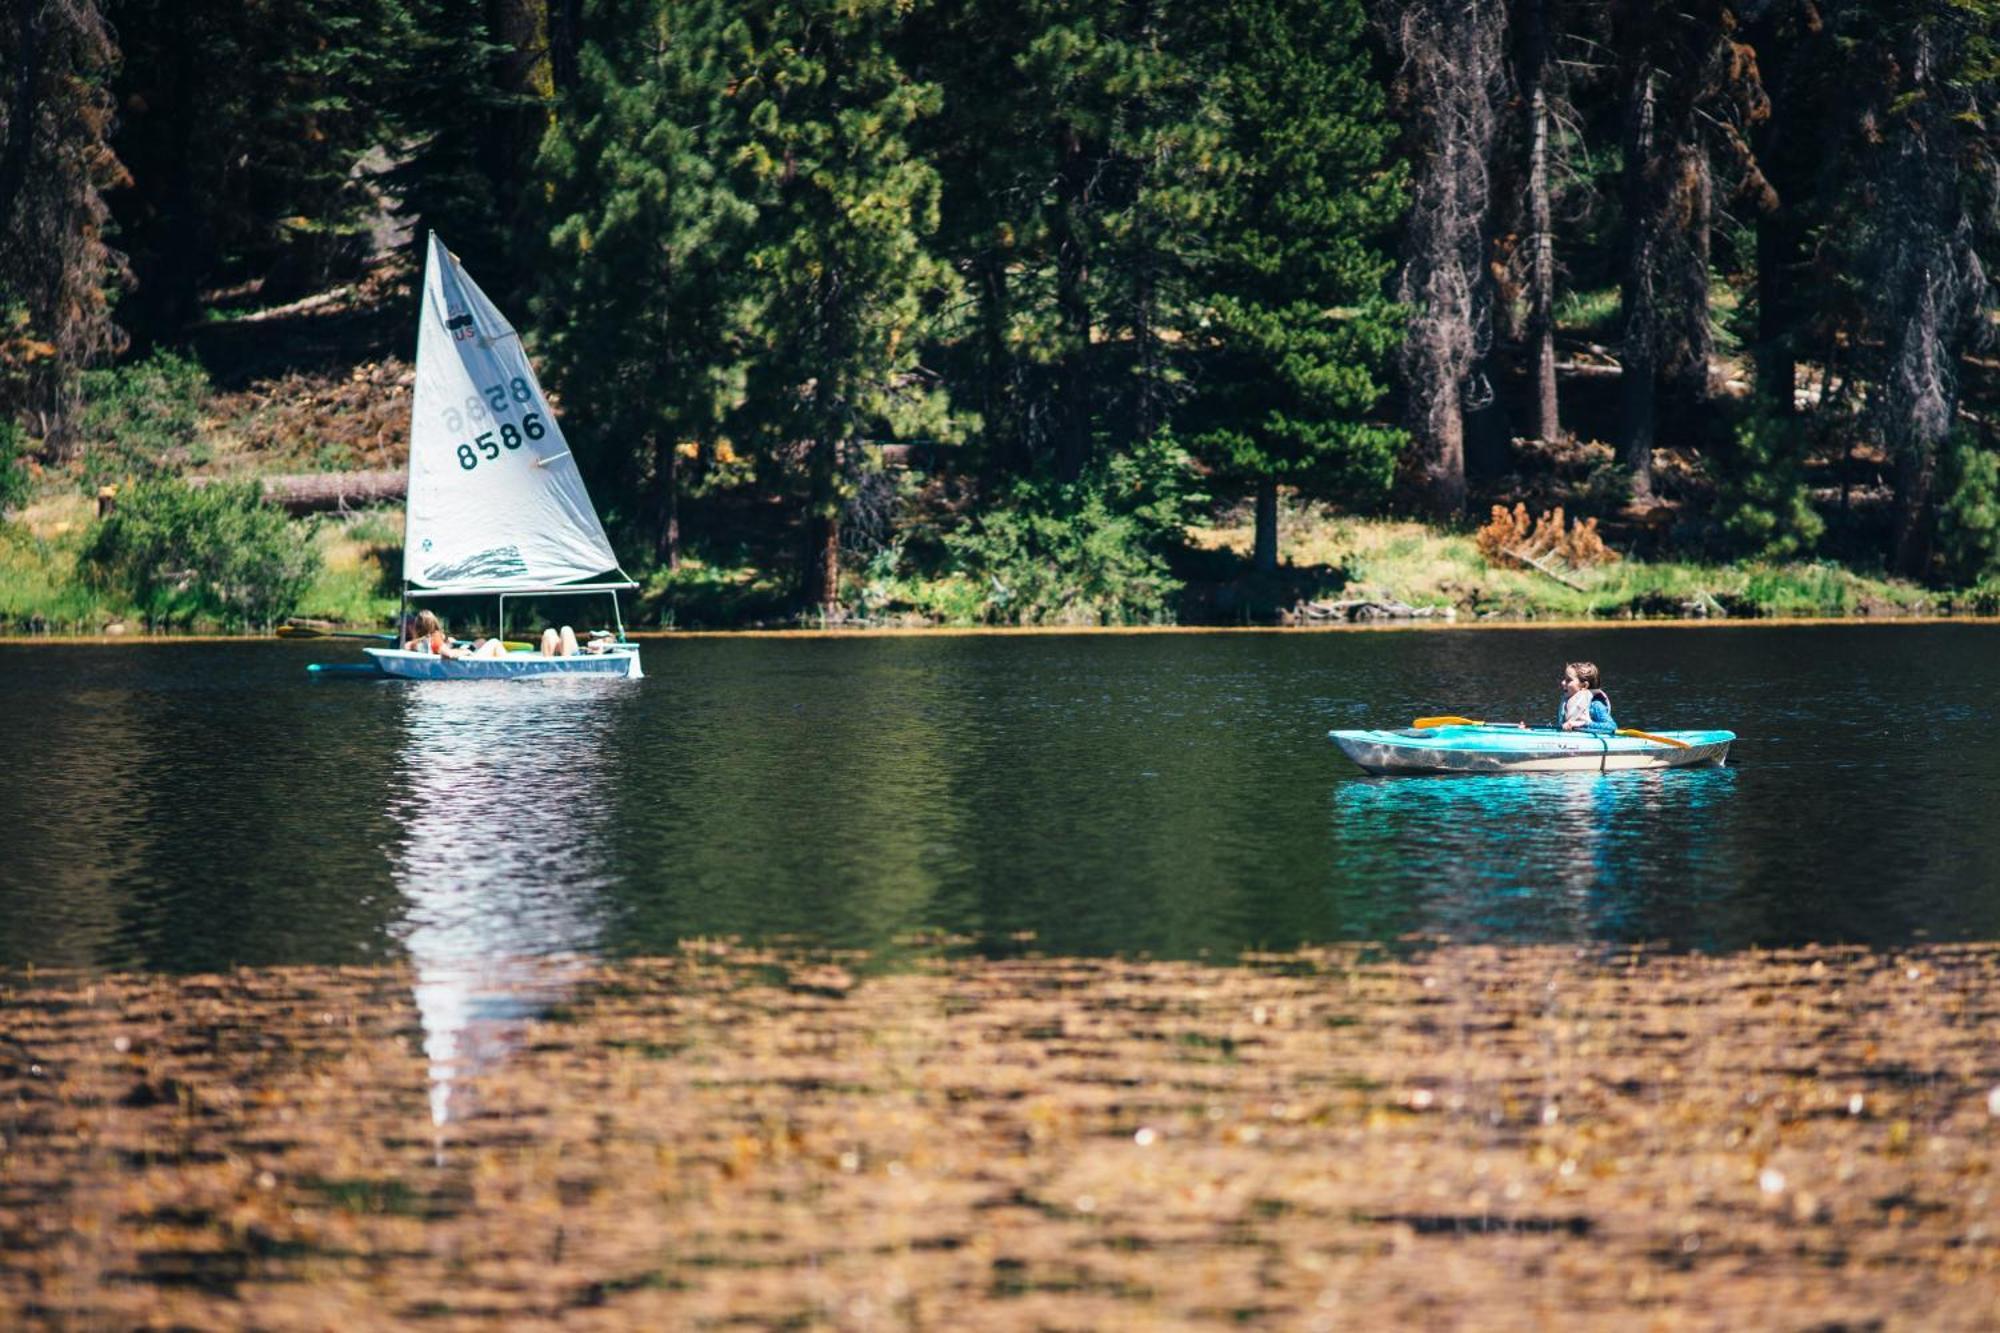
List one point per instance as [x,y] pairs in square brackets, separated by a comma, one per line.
[496,502]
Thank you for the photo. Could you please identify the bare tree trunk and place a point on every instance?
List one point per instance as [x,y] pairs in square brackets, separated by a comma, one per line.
[1264,549]
[1542,260]
[1073,416]
[1916,477]
[822,581]
[1454,60]
[1690,368]
[997,407]
[1932,287]
[1638,391]
[17,129]
[666,503]
[1446,471]
[56,162]
[1777,372]
[565,42]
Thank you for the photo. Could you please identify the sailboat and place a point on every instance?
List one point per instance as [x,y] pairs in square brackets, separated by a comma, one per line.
[496,505]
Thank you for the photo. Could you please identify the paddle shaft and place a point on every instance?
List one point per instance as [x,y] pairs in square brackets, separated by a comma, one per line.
[1512,726]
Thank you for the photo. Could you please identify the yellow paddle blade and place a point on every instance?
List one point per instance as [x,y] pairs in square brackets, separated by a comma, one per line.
[1447,722]
[1649,736]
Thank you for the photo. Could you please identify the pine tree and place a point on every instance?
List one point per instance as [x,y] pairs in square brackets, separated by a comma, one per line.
[472,99]
[1292,329]
[643,311]
[1928,163]
[842,279]
[245,131]
[1691,92]
[1080,146]
[56,269]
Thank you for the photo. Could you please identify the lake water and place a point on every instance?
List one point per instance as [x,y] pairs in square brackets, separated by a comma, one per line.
[199,806]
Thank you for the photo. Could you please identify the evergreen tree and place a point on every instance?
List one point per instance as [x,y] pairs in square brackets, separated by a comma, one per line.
[472,100]
[841,278]
[1080,145]
[645,317]
[1930,182]
[1691,92]
[1292,329]
[246,132]
[55,164]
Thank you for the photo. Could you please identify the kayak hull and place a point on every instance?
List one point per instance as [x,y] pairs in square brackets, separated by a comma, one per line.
[622,660]
[1508,750]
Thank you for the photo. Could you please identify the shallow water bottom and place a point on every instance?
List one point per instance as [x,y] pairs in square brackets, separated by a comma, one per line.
[1501,1137]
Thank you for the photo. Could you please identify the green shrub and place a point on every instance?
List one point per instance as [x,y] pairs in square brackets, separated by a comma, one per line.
[1089,551]
[1762,499]
[1969,512]
[213,554]
[143,419]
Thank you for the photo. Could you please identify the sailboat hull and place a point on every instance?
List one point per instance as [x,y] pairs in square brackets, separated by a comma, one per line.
[622,660]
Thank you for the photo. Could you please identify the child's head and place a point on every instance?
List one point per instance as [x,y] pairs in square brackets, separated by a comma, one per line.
[1583,673]
[427,624]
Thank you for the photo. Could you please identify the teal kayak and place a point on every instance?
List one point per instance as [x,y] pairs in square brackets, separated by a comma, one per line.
[1499,749]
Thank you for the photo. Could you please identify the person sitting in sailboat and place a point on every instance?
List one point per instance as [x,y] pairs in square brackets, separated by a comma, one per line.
[424,633]
[562,642]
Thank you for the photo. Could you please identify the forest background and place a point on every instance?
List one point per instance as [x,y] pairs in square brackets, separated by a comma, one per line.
[1050,311]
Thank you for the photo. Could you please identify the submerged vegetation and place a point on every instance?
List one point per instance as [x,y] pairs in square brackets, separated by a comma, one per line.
[774,1138]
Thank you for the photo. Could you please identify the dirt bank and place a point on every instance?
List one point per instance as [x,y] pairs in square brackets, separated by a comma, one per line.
[1526,1138]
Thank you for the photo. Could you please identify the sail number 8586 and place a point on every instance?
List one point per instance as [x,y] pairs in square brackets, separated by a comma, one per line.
[490,402]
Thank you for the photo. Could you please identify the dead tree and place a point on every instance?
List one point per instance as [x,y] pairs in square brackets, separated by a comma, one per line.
[1454,68]
[1691,92]
[1931,287]
[1541,244]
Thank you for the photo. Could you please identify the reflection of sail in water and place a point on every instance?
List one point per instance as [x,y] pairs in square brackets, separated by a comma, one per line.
[504,807]
[1553,856]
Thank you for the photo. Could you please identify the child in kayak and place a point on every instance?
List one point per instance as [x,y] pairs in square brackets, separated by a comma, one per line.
[1585,707]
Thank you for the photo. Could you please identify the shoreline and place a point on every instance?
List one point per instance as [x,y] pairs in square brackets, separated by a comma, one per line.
[1058,631]
[1510,1137]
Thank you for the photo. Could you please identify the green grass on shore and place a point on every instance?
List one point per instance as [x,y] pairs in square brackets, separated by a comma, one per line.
[44,588]
[1323,555]
[1428,567]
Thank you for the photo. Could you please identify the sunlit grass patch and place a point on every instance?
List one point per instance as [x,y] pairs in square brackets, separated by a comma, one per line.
[360,563]
[1412,562]
[1593,313]
[42,589]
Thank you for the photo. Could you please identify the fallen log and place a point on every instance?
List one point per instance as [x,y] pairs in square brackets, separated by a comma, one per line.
[319,492]
[1357,609]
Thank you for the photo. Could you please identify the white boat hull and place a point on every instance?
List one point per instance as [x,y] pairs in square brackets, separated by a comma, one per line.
[622,660]
[1507,750]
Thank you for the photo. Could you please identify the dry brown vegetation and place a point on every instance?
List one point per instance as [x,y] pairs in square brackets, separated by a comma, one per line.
[1510,535]
[1500,1138]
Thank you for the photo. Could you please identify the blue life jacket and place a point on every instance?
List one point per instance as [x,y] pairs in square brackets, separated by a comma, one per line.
[1600,714]
[1601,723]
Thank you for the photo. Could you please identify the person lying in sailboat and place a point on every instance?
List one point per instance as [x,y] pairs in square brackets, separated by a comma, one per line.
[562,642]
[424,633]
